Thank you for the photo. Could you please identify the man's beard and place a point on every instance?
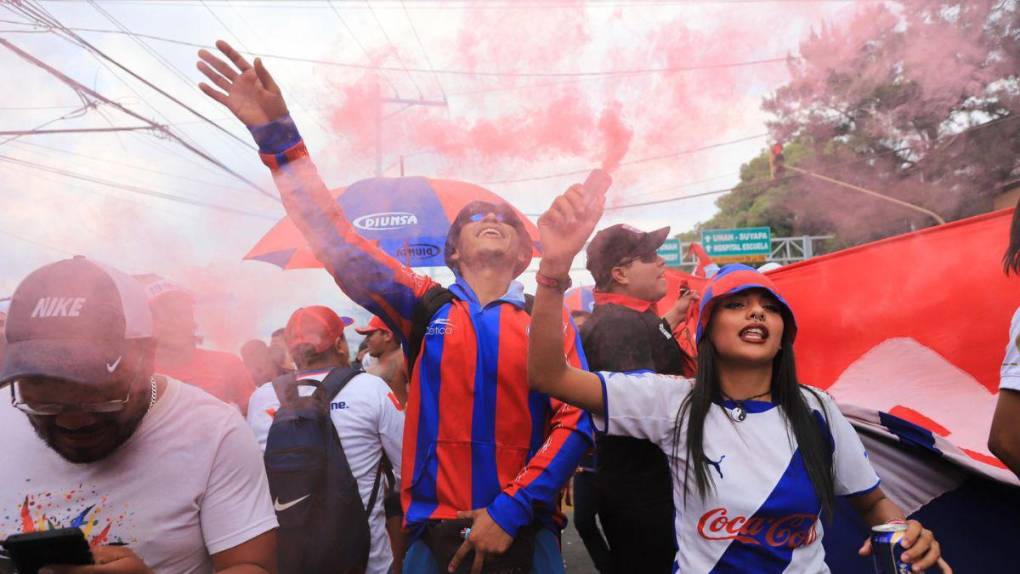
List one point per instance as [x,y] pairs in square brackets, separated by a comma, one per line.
[118,432]
[493,258]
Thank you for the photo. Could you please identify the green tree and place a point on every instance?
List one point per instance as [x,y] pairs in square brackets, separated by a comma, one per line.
[920,104]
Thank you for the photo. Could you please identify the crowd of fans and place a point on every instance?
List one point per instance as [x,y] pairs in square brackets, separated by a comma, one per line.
[462,417]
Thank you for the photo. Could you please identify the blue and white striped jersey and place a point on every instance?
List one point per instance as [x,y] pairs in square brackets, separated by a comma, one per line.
[761,514]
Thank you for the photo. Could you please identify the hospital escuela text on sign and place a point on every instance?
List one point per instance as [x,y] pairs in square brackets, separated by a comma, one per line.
[746,244]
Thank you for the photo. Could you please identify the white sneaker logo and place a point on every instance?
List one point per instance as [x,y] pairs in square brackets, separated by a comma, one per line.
[111,367]
[281,507]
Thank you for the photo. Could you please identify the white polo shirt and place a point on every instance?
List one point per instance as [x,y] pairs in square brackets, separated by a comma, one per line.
[368,421]
[761,514]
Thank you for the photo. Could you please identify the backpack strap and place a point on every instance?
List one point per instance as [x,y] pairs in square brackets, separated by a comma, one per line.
[284,387]
[375,487]
[430,303]
[336,380]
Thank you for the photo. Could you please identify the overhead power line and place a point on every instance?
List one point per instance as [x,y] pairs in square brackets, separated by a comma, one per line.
[156,55]
[133,188]
[768,182]
[35,242]
[295,98]
[76,113]
[396,52]
[78,87]
[46,151]
[586,170]
[396,92]
[424,52]
[470,73]
[76,131]
[56,25]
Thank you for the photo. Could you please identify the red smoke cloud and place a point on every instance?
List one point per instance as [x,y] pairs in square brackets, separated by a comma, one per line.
[492,124]
[616,136]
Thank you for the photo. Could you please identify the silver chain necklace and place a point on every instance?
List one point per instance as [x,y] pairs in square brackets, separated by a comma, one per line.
[152,393]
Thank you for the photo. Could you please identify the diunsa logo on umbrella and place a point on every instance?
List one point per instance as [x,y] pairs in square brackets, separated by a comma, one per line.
[385,221]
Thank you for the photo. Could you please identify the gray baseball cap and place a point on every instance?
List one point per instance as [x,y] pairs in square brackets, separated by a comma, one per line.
[75,320]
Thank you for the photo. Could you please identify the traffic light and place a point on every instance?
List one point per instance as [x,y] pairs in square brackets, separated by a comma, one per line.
[776,160]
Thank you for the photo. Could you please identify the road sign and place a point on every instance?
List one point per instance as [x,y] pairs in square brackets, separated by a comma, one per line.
[747,244]
[670,251]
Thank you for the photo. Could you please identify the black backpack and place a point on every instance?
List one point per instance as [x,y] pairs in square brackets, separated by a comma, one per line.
[323,523]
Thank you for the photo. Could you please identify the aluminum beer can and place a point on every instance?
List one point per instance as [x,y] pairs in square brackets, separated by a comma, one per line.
[886,548]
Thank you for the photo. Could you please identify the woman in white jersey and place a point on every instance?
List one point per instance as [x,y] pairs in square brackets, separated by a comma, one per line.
[756,457]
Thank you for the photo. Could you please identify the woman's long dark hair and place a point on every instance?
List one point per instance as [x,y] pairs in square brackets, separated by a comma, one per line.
[814,445]
[1011,260]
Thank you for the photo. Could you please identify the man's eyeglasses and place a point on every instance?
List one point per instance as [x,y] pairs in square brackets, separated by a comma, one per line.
[652,257]
[477,211]
[55,409]
[476,217]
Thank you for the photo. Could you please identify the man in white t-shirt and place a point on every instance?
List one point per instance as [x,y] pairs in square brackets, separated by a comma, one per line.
[159,476]
[368,419]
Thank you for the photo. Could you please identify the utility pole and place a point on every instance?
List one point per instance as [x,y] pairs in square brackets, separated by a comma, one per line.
[406,102]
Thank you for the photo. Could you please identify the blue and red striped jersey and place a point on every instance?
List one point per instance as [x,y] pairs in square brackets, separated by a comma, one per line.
[475,435]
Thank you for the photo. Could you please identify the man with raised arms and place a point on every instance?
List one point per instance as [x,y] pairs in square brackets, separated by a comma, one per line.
[478,444]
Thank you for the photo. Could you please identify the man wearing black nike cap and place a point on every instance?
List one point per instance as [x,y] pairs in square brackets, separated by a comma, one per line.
[159,475]
[633,488]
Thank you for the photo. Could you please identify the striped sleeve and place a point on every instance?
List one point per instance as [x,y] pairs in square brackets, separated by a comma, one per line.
[366,273]
[570,437]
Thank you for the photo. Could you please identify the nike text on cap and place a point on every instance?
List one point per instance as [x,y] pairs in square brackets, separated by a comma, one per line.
[74,320]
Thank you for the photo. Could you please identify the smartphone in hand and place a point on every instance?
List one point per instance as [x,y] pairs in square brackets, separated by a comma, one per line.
[31,551]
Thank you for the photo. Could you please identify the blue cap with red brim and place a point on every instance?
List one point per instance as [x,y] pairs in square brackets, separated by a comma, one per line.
[733,279]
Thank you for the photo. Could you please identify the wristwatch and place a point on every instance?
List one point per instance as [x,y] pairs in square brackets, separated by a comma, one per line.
[561,284]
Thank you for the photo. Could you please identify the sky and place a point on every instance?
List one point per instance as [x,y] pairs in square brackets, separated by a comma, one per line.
[533,94]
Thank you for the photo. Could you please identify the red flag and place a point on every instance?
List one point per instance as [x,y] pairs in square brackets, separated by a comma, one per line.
[704,261]
[914,326]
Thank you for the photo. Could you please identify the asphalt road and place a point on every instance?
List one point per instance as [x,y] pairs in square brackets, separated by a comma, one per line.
[575,556]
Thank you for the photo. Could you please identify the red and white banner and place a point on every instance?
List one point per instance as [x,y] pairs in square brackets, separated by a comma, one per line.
[914,326]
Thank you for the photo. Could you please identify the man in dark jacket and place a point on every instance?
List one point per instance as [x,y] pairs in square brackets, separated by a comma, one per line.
[624,333]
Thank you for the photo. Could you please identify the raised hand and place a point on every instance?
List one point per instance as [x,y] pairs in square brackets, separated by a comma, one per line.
[565,226]
[678,312]
[248,92]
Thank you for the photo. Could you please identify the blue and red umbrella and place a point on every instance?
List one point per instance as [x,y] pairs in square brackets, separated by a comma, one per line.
[407,216]
[580,298]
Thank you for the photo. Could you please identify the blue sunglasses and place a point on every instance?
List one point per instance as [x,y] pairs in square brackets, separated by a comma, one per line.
[476,217]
